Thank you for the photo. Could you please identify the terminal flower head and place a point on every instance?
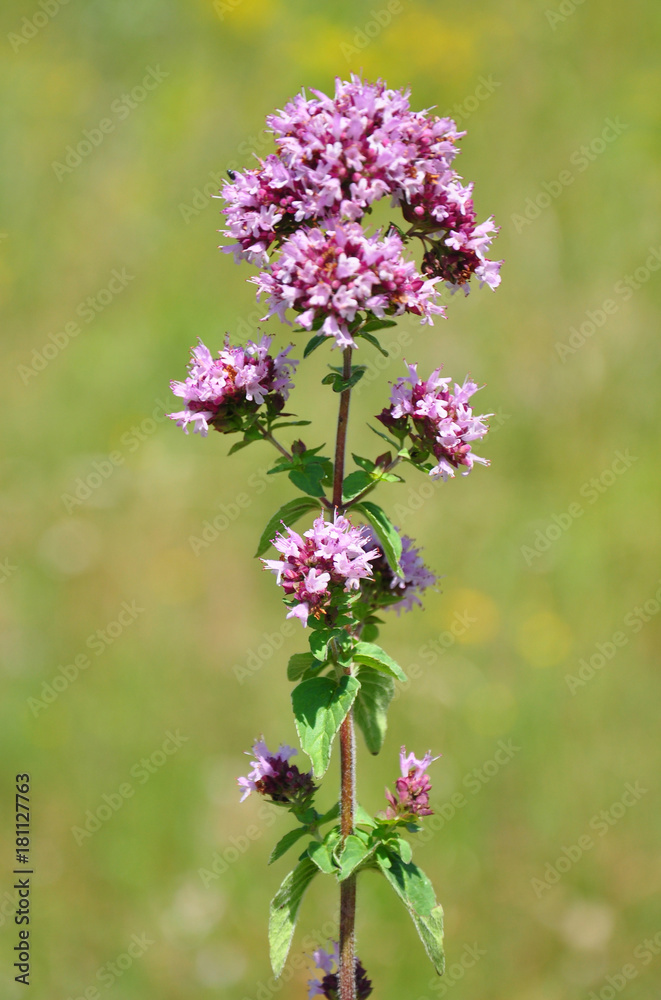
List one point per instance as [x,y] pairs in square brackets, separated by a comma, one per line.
[272,775]
[439,422]
[336,156]
[327,985]
[412,788]
[337,273]
[331,556]
[219,390]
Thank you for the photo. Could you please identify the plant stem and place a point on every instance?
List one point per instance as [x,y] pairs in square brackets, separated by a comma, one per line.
[269,437]
[341,438]
[347,974]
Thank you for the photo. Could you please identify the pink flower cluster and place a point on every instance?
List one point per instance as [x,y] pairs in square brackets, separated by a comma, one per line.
[437,420]
[416,576]
[273,775]
[412,788]
[339,272]
[218,386]
[329,556]
[336,156]
[327,986]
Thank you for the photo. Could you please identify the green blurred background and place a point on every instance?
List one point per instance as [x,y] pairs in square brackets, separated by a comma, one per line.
[533,82]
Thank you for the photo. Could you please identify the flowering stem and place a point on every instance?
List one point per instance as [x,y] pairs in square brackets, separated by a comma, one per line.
[341,438]
[347,975]
[269,437]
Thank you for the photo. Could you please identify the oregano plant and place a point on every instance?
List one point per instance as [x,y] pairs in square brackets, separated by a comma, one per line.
[300,216]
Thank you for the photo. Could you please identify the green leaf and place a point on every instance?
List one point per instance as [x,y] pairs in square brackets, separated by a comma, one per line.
[430,931]
[385,532]
[332,813]
[409,882]
[319,639]
[370,632]
[373,341]
[374,656]
[391,442]
[365,463]
[313,344]
[239,445]
[291,423]
[320,706]
[354,484]
[309,481]
[284,910]
[363,817]
[289,513]
[371,706]
[353,853]
[299,663]
[322,857]
[405,850]
[286,842]
[376,324]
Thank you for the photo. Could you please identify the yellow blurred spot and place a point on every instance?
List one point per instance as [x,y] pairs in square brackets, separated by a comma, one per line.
[175,576]
[490,710]
[544,639]
[472,616]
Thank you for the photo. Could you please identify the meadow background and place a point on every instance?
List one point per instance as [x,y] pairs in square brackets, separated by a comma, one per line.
[542,589]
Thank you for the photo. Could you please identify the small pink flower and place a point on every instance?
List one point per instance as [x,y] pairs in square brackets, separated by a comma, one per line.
[412,787]
[437,420]
[331,555]
[238,380]
[337,273]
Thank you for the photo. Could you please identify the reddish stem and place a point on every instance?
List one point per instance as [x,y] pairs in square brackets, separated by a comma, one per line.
[347,974]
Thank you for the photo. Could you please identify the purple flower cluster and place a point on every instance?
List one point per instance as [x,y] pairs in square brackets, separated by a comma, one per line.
[415,578]
[330,556]
[335,157]
[438,421]
[339,272]
[239,379]
[412,788]
[274,776]
[328,986]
